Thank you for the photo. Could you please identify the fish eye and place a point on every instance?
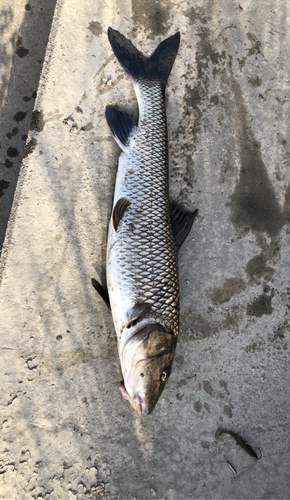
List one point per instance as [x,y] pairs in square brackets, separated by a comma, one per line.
[165,374]
[141,374]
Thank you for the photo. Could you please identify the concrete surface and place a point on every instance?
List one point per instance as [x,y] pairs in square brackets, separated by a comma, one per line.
[24,31]
[66,432]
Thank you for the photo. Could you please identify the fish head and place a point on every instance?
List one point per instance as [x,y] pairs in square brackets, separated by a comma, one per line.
[147,366]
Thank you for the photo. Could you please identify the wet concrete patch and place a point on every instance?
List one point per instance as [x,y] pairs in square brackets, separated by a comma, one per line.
[260,306]
[255,81]
[196,327]
[8,163]
[257,268]
[95,27]
[74,357]
[14,132]
[12,152]
[30,147]
[207,387]
[152,15]
[3,185]
[19,116]
[37,121]
[207,59]
[253,203]
[231,287]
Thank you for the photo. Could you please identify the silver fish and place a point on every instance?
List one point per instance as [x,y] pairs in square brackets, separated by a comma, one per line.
[145,230]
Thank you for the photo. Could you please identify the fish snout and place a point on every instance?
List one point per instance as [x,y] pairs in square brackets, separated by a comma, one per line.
[137,402]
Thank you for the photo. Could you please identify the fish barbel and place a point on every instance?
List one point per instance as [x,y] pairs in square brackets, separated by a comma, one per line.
[145,230]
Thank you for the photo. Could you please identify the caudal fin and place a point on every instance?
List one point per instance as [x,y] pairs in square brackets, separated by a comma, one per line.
[136,65]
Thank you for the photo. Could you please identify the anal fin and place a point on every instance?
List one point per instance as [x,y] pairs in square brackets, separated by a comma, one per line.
[182,221]
[102,292]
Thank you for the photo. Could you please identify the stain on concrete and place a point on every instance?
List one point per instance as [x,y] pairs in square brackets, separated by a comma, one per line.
[3,185]
[232,319]
[215,100]
[152,15]
[196,14]
[30,147]
[96,28]
[253,203]
[12,152]
[196,327]
[74,357]
[254,49]
[14,132]
[260,306]
[8,163]
[231,287]
[37,121]
[207,387]
[19,49]
[256,347]
[206,59]
[88,126]
[228,411]
[255,81]
[278,339]
[206,406]
[19,116]
[257,268]
[181,383]
[22,52]
[197,406]
[281,139]
[224,384]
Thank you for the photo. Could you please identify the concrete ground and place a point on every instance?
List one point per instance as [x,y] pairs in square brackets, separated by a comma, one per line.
[24,29]
[66,432]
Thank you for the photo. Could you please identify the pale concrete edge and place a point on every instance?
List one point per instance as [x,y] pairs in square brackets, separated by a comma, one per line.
[21,179]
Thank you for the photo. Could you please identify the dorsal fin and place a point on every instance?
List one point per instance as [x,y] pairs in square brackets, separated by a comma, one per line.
[182,221]
[119,210]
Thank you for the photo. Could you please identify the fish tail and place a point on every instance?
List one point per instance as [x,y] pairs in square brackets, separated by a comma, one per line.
[136,65]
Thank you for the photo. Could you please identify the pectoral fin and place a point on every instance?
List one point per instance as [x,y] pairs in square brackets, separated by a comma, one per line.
[119,210]
[102,292]
[182,221]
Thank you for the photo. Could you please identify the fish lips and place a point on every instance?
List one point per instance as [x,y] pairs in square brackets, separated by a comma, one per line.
[150,366]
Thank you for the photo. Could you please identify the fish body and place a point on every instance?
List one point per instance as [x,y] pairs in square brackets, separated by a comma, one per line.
[144,234]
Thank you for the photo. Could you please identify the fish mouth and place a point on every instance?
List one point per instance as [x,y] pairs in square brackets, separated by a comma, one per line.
[137,402]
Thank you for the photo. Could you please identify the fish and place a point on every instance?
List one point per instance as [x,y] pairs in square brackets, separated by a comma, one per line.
[145,231]
[248,449]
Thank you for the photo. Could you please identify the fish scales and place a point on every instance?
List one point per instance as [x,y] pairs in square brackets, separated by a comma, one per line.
[144,249]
